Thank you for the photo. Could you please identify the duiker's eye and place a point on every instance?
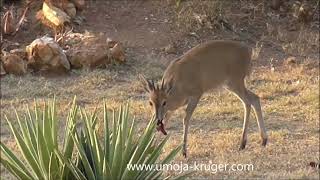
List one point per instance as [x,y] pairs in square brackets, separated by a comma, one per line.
[150,103]
[164,103]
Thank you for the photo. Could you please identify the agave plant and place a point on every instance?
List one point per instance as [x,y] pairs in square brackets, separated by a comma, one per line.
[37,139]
[109,158]
[83,154]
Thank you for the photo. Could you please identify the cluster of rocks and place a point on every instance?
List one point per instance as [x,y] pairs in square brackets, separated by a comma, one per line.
[49,55]
[45,55]
[57,13]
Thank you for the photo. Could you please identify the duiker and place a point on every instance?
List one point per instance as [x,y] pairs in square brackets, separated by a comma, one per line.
[203,68]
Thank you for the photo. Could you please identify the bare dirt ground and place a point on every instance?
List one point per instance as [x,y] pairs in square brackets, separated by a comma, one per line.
[289,93]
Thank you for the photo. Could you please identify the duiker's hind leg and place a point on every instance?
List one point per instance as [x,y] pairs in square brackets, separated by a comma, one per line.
[249,99]
[255,102]
[240,91]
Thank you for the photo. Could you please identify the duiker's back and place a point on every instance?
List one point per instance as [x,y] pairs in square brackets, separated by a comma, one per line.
[210,64]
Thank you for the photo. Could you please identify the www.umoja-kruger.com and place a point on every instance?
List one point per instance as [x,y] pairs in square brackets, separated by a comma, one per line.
[195,166]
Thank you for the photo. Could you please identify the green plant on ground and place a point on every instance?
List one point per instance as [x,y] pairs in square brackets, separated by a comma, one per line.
[83,155]
[108,159]
[37,139]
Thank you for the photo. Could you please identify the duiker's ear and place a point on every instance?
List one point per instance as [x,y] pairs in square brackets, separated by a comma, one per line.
[148,85]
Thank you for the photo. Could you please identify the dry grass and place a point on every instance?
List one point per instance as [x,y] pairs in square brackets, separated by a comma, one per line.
[289,99]
[193,16]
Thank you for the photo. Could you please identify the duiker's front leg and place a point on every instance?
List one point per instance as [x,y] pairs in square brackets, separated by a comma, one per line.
[192,104]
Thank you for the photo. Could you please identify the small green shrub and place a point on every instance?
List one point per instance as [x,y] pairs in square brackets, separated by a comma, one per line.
[83,155]
[121,146]
[37,139]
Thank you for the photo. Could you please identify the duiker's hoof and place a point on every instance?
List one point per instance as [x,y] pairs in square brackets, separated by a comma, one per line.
[184,153]
[243,144]
[264,142]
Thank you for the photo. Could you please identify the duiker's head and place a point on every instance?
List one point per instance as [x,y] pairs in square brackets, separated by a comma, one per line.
[158,97]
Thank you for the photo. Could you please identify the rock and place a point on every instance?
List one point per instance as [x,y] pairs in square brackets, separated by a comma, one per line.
[117,53]
[92,50]
[89,58]
[55,15]
[79,4]
[88,51]
[13,64]
[44,54]
[70,9]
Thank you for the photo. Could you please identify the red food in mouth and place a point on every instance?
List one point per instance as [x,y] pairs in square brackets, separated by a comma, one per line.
[160,127]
